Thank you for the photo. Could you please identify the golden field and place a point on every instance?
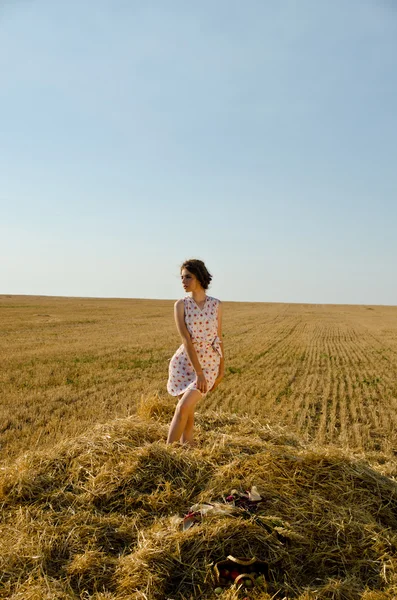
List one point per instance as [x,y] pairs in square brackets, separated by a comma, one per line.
[328,373]
[90,493]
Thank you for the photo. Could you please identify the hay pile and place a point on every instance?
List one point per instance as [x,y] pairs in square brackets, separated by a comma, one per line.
[95,518]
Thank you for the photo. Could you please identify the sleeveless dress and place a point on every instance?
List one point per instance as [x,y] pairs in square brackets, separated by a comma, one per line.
[202,325]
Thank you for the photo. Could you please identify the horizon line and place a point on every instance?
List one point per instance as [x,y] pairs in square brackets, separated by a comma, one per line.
[365,304]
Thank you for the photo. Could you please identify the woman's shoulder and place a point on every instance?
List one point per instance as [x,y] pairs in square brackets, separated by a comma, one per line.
[213,299]
[179,302]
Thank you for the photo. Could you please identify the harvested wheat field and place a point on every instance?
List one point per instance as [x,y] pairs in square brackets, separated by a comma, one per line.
[93,501]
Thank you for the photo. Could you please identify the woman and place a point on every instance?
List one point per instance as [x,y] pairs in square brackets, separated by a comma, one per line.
[198,365]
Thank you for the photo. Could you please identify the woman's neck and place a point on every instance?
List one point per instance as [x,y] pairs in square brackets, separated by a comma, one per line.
[199,296]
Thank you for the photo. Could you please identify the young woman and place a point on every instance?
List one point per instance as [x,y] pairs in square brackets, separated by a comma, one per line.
[198,365]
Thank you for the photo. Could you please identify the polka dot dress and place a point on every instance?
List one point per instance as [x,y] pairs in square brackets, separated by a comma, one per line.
[202,325]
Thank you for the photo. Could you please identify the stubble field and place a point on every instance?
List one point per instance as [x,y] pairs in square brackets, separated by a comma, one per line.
[92,499]
[326,372]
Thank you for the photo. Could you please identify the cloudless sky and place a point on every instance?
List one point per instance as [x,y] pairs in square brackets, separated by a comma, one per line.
[259,136]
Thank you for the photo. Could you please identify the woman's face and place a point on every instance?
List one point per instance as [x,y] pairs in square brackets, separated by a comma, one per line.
[189,281]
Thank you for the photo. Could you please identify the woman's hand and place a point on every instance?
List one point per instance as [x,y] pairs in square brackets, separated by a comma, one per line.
[221,374]
[201,383]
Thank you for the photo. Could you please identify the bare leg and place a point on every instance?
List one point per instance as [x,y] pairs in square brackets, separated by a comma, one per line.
[187,435]
[184,409]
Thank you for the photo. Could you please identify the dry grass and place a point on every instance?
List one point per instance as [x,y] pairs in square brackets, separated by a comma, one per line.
[67,364]
[95,517]
[326,372]
[89,491]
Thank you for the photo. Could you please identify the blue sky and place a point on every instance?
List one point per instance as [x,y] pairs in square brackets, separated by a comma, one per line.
[258,136]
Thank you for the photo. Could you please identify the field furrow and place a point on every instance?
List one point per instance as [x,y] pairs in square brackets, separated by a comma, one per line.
[327,373]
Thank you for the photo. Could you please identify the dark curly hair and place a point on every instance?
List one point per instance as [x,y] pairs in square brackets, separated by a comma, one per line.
[198,268]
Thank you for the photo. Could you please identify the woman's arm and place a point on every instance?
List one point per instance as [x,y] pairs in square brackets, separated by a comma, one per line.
[221,371]
[179,313]
[220,315]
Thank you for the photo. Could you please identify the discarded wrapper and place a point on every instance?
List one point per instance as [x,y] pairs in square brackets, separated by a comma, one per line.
[244,571]
[248,500]
[198,511]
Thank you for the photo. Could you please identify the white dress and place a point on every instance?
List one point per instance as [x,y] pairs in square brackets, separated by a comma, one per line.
[202,325]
